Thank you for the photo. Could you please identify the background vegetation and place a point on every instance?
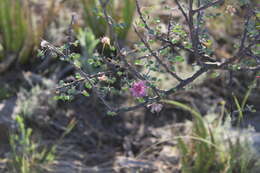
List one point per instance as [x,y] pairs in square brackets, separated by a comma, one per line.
[132,86]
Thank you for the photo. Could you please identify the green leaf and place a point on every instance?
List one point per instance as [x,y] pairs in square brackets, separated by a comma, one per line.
[214,74]
[91,61]
[125,88]
[72,91]
[138,62]
[119,73]
[179,59]
[88,85]
[77,64]
[140,100]
[78,76]
[74,56]
[40,53]
[85,93]
[111,113]
[188,45]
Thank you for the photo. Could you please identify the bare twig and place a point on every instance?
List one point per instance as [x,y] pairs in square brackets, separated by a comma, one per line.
[167,92]
[81,80]
[157,50]
[154,54]
[169,27]
[208,5]
[70,38]
[142,16]
[182,11]
[242,43]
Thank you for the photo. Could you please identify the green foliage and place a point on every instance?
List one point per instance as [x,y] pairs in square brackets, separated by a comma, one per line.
[88,41]
[110,113]
[128,13]
[122,13]
[160,50]
[241,106]
[25,154]
[16,29]
[28,156]
[20,34]
[210,150]
[6,92]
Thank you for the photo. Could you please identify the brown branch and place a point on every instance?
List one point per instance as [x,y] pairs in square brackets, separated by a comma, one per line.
[70,38]
[208,5]
[167,92]
[81,80]
[244,36]
[182,11]
[157,50]
[154,54]
[141,16]
[187,81]
[169,27]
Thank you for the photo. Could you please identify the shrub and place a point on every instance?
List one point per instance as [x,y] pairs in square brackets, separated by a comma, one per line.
[161,51]
[158,51]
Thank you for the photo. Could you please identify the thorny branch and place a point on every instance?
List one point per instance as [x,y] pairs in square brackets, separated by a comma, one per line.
[70,39]
[154,54]
[182,11]
[208,5]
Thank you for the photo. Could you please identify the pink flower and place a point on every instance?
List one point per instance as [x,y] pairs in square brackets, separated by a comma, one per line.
[231,10]
[139,89]
[105,41]
[155,107]
[102,78]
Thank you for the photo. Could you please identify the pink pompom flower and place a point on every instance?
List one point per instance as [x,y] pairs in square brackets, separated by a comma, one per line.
[139,89]
[155,107]
[105,41]
[231,10]
[102,78]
